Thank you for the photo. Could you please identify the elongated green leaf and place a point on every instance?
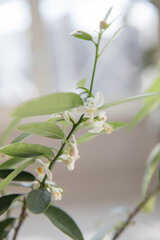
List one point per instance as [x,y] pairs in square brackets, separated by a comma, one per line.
[49,104]
[150,205]
[12,162]
[89,136]
[155,87]
[6,201]
[38,200]
[3,234]
[108,13]
[149,104]
[27,150]
[5,227]
[144,111]
[118,125]
[129,99]
[11,176]
[152,164]
[82,35]
[22,176]
[81,83]
[9,130]
[20,137]
[86,90]
[45,129]
[64,222]
[110,40]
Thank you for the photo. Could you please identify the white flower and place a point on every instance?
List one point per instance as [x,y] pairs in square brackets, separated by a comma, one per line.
[71,155]
[42,169]
[101,115]
[98,126]
[108,128]
[91,106]
[55,191]
[97,118]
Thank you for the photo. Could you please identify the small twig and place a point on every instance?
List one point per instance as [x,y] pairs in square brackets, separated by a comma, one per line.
[22,217]
[137,209]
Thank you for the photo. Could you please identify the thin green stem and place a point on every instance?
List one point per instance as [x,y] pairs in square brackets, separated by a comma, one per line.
[80,120]
[95,62]
[62,147]
[114,35]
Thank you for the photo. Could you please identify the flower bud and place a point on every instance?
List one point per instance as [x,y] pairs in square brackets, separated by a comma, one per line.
[103,25]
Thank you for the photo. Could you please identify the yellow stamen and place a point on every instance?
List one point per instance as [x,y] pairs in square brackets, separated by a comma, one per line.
[90,111]
[109,130]
[40,170]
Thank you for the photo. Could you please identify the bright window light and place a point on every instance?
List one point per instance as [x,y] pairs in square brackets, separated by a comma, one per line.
[14,16]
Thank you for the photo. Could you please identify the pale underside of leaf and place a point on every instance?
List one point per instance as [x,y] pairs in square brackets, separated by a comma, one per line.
[129,99]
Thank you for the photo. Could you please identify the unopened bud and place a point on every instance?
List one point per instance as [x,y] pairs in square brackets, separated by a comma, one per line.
[103,25]
[73,150]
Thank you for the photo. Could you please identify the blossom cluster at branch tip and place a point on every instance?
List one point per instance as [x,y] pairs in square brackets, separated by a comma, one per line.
[96,117]
[42,169]
[71,155]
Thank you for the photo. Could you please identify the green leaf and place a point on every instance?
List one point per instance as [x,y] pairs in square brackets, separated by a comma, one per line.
[27,150]
[150,205]
[82,83]
[82,35]
[86,90]
[9,130]
[144,111]
[149,104]
[11,176]
[63,222]
[118,125]
[45,129]
[110,40]
[20,137]
[155,87]
[6,201]
[49,104]
[12,162]
[89,136]
[38,200]
[129,99]
[152,164]
[5,227]
[22,176]
[108,13]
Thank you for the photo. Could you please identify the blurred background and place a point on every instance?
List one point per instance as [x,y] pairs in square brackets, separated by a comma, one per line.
[38,56]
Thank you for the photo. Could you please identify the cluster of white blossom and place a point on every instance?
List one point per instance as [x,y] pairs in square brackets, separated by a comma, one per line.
[70,155]
[96,118]
[42,169]
[90,109]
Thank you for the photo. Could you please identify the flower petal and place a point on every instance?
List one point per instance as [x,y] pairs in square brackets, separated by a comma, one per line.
[96,130]
[99,99]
